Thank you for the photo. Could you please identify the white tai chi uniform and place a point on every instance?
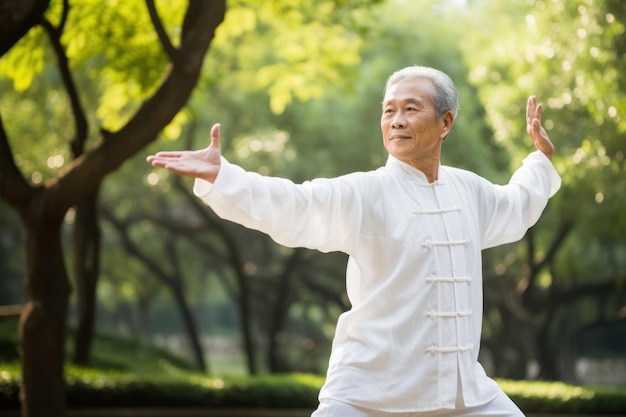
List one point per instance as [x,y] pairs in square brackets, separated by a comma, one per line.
[410,341]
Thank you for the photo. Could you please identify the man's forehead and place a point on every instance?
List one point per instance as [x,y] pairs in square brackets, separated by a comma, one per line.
[414,90]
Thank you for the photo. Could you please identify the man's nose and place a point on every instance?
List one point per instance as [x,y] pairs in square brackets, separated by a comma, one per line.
[399,120]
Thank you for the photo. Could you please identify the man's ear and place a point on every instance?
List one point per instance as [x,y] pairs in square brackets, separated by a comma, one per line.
[447,120]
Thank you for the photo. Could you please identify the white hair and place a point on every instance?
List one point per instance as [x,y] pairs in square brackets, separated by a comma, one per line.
[445,96]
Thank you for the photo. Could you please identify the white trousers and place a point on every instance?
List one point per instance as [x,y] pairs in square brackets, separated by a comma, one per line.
[501,406]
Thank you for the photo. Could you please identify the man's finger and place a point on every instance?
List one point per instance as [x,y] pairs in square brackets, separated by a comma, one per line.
[538,111]
[537,127]
[530,108]
[215,135]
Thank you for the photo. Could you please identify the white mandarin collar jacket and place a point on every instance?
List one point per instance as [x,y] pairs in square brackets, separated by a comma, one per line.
[410,342]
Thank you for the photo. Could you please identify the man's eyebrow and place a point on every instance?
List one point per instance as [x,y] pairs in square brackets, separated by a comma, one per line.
[403,100]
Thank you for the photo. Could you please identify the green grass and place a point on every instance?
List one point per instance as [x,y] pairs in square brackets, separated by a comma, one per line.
[114,353]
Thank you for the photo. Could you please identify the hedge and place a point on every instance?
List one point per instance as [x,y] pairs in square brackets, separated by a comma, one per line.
[557,397]
[96,388]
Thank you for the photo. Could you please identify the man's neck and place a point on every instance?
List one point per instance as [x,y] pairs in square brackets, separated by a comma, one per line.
[427,164]
[429,168]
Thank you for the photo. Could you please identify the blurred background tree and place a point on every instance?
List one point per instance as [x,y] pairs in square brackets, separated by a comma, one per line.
[559,295]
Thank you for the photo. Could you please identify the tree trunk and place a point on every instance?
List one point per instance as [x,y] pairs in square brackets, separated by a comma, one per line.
[42,324]
[87,270]
[277,363]
[192,328]
[546,359]
[244,319]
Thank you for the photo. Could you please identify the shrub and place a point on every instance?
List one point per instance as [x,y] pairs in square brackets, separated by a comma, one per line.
[92,388]
[558,397]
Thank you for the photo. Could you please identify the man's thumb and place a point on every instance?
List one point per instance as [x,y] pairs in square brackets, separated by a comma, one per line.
[215,135]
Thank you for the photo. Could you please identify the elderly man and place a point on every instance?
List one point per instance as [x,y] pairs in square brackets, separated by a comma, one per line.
[414,230]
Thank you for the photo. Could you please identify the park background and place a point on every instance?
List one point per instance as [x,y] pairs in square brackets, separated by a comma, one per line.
[93,240]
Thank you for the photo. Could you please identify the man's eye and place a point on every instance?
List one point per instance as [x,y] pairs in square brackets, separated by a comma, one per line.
[388,111]
[411,109]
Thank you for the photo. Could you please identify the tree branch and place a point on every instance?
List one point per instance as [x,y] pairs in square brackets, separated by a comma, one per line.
[563,232]
[327,293]
[85,172]
[595,289]
[65,13]
[80,119]
[535,267]
[134,250]
[200,209]
[160,30]
[16,19]
[14,188]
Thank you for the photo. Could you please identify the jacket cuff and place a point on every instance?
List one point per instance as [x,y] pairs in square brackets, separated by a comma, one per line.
[538,157]
[201,188]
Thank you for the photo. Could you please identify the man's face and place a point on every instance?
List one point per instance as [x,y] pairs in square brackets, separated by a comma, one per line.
[410,128]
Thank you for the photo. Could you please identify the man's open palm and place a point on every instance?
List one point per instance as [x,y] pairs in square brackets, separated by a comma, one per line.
[535,130]
[203,163]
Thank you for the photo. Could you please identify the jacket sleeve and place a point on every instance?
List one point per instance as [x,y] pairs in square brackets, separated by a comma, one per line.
[322,214]
[508,211]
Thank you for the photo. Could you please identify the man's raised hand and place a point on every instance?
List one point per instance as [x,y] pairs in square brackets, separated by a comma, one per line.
[203,163]
[535,130]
